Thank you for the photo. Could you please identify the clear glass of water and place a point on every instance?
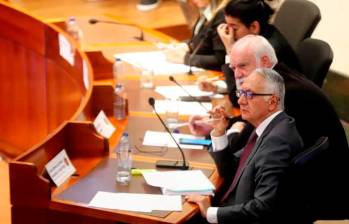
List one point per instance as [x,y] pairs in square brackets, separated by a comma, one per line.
[172,111]
[124,164]
[147,79]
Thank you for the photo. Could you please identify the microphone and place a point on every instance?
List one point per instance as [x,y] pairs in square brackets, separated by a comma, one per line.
[169,163]
[196,49]
[141,35]
[171,78]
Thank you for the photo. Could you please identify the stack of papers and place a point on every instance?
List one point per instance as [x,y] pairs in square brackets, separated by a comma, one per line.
[163,139]
[155,61]
[180,182]
[185,108]
[136,202]
[176,91]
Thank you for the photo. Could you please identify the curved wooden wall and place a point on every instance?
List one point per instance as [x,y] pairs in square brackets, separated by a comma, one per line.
[39,90]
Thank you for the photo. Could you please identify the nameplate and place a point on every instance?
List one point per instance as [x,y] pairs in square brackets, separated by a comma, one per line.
[60,168]
[103,126]
[66,50]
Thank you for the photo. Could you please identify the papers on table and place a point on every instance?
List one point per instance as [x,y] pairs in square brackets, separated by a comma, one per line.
[180,182]
[176,91]
[154,61]
[163,139]
[185,108]
[136,202]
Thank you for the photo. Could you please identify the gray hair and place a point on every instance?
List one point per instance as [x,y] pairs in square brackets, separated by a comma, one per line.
[259,46]
[274,83]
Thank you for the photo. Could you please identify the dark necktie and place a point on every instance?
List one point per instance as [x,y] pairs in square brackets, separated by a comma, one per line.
[246,152]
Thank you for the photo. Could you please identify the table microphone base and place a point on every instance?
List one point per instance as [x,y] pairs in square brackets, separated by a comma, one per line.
[171,164]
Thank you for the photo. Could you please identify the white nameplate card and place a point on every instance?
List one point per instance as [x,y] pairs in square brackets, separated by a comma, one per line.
[103,126]
[60,168]
[66,50]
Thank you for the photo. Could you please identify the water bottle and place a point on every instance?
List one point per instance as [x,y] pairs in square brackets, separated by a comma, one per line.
[119,103]
[124,160]
[73,29]
[117,68]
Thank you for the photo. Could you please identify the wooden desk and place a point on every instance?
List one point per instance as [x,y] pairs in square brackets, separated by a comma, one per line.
[54,103]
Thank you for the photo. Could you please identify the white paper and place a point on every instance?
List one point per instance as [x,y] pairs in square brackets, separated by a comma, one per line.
[176,91]
[155,61]
[60,168]
[188,180]
[136,202]
[85,74]
[103,126]
[66,50]
[185,108]
[163,139]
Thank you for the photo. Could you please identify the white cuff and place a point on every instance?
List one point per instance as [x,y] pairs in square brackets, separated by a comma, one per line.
[227,59]
[219,143]
[221,86]
[211,215]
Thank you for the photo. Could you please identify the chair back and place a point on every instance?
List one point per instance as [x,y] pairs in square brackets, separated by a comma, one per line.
[299,193]
[297,20]
[315,57]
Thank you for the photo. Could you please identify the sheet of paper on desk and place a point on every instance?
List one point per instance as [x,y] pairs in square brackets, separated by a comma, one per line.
[136,202]
[176,91]
[180,181]
[185,108]
[156,62]
[163,139]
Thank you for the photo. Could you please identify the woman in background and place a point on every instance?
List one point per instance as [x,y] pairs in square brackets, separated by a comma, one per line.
[205,49]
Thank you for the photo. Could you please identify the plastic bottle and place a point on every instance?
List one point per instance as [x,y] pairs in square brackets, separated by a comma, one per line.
[117,68]
[73,29]
[119,104]
[124,160]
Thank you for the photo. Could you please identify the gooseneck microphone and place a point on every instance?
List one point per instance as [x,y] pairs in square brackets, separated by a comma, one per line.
[196,49]
[141,35]
[172,79]
[168,163]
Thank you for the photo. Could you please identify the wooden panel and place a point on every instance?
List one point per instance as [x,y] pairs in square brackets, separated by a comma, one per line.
[22,96]
[29,32]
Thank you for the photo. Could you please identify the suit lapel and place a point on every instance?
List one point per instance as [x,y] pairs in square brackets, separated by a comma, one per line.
[260,139]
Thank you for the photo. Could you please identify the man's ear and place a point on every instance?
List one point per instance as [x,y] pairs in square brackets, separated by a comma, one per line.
[265,62]
[273,102]
[255,28]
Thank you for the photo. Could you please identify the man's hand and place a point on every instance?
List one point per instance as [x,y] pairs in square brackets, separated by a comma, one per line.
[198,126]
[204,202]
[175,53]
[220,121]
[226,34]
[207,84]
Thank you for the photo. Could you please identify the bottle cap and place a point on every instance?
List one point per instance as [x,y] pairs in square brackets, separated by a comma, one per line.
[125,134]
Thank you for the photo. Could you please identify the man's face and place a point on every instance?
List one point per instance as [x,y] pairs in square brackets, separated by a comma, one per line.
[242,62]
[239,29]
[256,109]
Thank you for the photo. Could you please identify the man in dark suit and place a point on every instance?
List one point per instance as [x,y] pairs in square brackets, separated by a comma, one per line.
[314,114]
[256,170]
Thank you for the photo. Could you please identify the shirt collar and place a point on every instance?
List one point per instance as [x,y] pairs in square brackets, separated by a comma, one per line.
[262,126]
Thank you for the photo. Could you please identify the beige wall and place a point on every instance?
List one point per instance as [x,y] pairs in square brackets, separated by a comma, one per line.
[333,28]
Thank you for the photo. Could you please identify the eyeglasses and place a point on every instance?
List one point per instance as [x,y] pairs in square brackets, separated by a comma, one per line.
[249,94]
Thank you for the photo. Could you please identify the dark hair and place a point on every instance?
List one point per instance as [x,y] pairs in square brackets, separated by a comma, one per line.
[248,11]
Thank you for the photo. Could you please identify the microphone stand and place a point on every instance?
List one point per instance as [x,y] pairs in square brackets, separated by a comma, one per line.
[141,36]
[171,78]
[196,49]
[169,163]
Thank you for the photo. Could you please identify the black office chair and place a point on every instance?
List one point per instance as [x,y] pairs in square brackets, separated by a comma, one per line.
[315,57]
[300,191]
[296,20]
